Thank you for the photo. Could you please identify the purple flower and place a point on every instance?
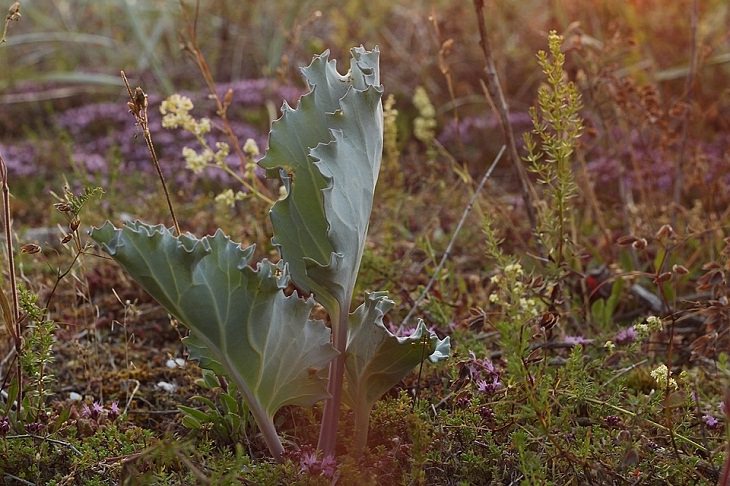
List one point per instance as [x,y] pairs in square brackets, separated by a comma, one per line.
[486,412]
[85,411]
[710,421]
[487,387]
[309,463]
[4,426]
[577,340]
[34,427]
[612,420]
[625,336]
[328,466]
[114,411]
[96,410]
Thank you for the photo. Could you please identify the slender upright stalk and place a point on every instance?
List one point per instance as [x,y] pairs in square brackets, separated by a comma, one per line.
[496,98]
[138,106]
[331,414]
[13,283]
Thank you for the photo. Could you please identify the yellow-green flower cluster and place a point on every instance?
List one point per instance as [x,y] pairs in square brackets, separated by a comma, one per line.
[512,292]
[644,329]
[424,126]
[196,162]
[176,114]
[228,197]
[662,378]
[251,148]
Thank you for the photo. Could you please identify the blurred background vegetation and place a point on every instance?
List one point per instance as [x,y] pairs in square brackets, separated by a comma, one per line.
[67,51]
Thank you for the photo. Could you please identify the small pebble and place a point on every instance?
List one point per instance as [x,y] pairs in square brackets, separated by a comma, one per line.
[168,387]
[175,363]
[74,397]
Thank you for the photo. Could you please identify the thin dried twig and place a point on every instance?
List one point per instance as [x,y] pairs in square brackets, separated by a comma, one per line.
[18,337]
[447,253]
[138,106]
[495,96]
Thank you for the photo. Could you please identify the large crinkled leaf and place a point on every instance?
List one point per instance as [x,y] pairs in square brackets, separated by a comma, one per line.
[241,322]
[376,359]
[329,150]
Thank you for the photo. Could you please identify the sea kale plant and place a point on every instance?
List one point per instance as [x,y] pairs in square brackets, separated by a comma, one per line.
[327,154]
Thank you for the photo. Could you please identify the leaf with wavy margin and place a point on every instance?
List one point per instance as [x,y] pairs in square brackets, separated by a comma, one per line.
[376,359]
[241,322]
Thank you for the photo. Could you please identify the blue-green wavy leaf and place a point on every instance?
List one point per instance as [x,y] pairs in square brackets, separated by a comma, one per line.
[327,152]
[241,323]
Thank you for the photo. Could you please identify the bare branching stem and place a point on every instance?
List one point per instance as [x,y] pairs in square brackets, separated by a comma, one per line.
[138,106]
[449,247]
[496,98]
[18,338]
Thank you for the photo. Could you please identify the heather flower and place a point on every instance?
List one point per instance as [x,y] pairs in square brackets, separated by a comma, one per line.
[114,410]
[710,421]
[625,336]
[577,340]
[486,412]
[34,427]
[85,411]
[487,387]
[482,373]
[96,410]
[612,421]
[309,463]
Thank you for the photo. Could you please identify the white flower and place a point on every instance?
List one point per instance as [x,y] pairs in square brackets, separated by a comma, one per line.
[176,104]
[251,148]
[195,161]
[662,378]
[73,396]
[202,127]
[226,198]
[654,323]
